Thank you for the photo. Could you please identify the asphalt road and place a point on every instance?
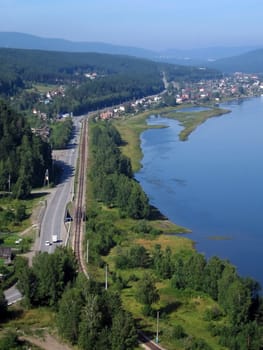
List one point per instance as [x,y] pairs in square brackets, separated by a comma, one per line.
[53,221]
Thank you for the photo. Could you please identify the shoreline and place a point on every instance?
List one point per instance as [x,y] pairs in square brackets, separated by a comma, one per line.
[132,128]
[190,121]
[138,124]
[205,244]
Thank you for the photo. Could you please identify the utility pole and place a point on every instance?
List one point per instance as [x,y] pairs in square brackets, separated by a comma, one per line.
[106,277]
[157,328]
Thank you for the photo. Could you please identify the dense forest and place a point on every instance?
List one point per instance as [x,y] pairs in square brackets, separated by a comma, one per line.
[51,67]
[61,132]
[86,314]
[191,74]
[112,90]
[238,298]
[57,67]
[112,175]
[24,157]
[117,78]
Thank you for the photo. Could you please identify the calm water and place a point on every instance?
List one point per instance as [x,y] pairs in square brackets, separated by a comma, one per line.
[212,183]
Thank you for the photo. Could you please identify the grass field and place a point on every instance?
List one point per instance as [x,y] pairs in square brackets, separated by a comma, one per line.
[177,308]
[185,308]
[43,88]
[6,202]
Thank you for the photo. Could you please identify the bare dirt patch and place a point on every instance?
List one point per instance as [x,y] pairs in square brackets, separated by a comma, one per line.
[47,343]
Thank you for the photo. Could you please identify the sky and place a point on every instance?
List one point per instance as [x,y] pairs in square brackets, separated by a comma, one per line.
[150,24]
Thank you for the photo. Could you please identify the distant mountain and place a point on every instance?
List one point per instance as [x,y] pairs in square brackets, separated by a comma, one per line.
[250,62]
[185,57]
[27,41]
[203,55]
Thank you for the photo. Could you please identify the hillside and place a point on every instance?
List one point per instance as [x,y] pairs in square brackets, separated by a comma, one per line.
[90,80]
[46,65]
[193,56]
[250,62]
[50,66]
[18,67]
[26,41]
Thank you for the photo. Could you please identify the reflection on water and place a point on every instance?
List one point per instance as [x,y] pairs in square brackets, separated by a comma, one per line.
[180,182]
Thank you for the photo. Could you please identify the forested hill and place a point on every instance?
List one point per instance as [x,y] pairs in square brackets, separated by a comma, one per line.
[91,80]
[250,62]
[47,66]
[51,66]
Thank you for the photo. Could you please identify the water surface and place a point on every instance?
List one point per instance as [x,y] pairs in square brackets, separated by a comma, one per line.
[212,183]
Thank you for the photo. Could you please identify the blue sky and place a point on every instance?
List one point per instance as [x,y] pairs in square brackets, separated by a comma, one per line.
[153,24]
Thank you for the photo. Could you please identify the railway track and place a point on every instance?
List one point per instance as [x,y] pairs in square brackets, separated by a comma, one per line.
[79,218]
[79,215]
[147,343]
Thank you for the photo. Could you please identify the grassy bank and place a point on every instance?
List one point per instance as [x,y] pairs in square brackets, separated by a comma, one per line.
[191,120]
[131,128]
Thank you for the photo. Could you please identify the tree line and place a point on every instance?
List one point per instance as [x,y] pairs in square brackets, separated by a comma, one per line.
[24,157]
[111,90]
[86,314]
[113,184]
[191,74]
[112,177]
[61,132]
[239,298]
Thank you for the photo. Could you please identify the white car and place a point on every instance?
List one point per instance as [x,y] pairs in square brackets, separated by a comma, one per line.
[47,243]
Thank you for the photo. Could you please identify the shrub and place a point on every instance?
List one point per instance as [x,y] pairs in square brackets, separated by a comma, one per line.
[212,314]
[178,332]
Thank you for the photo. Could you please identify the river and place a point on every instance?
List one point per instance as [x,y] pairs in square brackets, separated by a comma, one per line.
[212,183]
